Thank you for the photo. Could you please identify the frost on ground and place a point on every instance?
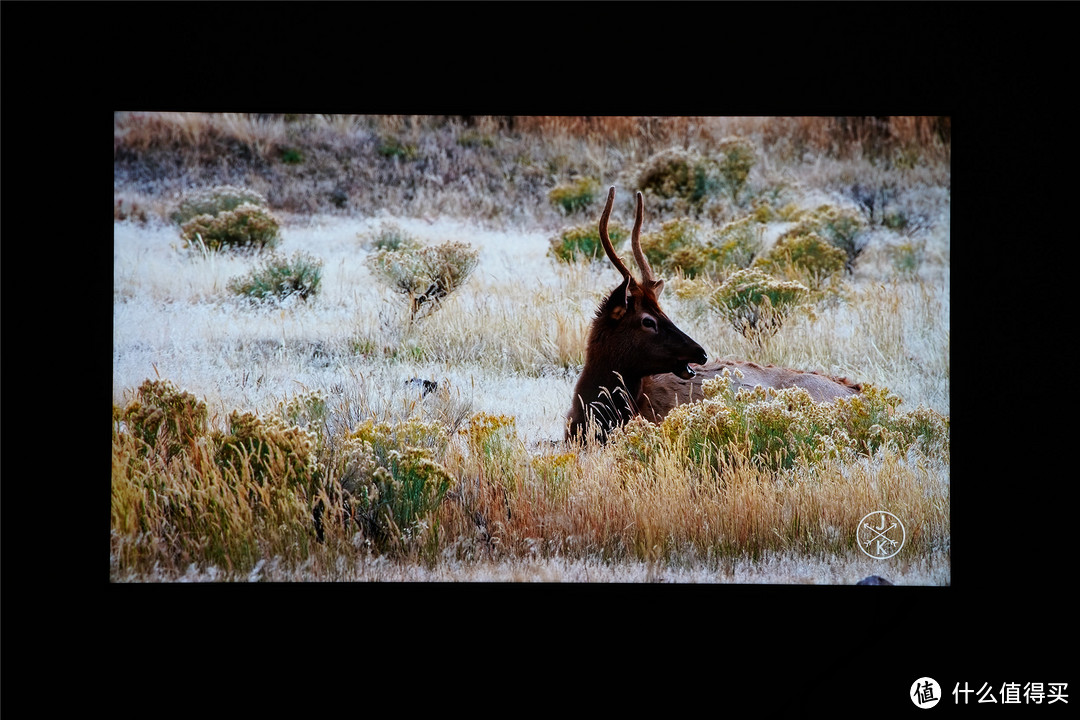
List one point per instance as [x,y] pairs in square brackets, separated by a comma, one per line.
[769,570]
[174,318]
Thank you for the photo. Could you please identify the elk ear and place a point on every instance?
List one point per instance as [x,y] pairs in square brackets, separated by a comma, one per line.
[622,297]
[657,286]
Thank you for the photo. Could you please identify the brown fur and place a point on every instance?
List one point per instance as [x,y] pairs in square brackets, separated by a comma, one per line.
[659,394]
[621,352]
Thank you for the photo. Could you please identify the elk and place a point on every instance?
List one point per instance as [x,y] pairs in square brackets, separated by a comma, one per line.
[638,362]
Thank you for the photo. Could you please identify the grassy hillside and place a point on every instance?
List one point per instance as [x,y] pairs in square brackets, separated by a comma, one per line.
[286,439]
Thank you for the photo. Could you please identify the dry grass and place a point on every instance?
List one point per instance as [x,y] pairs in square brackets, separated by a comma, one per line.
[509,343]
[495,170]
[769,569]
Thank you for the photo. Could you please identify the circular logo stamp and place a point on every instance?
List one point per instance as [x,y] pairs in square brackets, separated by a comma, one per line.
[925,692]
[880,534]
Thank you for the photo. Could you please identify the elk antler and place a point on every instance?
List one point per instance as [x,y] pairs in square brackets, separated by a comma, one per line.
[615,259]
[647,277]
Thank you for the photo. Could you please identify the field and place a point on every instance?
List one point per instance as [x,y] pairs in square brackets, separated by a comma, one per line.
[293,440]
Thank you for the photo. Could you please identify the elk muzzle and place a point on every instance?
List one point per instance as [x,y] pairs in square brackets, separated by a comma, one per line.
[699,358]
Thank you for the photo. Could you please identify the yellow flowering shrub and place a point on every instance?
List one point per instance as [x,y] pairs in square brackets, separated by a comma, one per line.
[807,258]
[245,227]
[391,479]
[776,429]
[737,243]
[207,492]
[757,304]
[575,195]
[492,441]
[678,246]
[556,472]
[843,228]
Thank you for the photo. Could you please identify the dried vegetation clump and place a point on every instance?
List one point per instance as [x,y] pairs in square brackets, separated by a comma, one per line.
[677,173]
[425,275]
[226,217]
[757,304]
[291,482]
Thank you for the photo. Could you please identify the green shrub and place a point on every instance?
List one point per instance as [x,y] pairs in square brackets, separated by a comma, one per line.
[582,242]
[279,278]
[843,228]
[245,227]
[804,257]
[678,173]
[389,236]
[685,246]
[574,196]
[737,157]
[776,429]
[737,243]
[907,257]
[391,482]
[291,156]
[678,246]
[424,276]
[757,304]
[895,220]
[773,202]
[213,201]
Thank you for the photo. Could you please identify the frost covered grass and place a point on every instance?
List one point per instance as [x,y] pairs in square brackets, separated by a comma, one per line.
[772,569]
[509,344]
[174,318]
[504,350]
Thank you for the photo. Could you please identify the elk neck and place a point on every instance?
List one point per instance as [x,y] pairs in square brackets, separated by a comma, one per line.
[608,386]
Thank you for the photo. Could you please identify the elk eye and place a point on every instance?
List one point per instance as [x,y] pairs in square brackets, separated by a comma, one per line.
[648,322]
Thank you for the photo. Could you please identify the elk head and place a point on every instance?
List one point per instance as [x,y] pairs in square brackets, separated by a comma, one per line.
[630,338]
